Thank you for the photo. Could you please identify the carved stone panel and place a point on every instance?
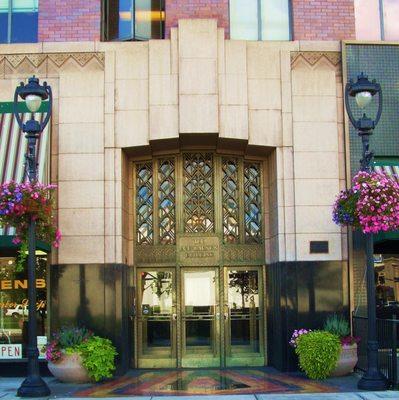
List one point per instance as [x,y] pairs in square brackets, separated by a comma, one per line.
[243,255]
[198,250]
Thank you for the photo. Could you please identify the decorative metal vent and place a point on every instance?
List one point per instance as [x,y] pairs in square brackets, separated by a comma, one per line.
[230,200]
[144,204]
[198,193]
[167,201]
[252,203]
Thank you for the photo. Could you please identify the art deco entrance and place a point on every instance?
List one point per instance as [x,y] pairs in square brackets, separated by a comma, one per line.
[198,252]
[205,317]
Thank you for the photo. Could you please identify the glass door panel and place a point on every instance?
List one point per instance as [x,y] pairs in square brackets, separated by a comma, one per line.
[244,317]
[156,318]
[200,330]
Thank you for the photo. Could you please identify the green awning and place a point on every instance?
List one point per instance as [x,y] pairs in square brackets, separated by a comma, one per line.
[389,166]
[12,154]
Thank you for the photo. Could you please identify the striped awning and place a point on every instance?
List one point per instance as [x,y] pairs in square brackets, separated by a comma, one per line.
[13,145]
[389,166]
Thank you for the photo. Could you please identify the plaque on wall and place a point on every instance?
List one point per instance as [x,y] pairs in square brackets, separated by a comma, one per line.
[198,250]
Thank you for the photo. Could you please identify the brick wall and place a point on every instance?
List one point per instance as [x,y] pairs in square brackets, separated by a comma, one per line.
[178,9]
[69,20]
[323,19]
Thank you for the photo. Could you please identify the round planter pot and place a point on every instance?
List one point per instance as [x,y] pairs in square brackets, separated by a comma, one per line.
[346,361]
[69,369]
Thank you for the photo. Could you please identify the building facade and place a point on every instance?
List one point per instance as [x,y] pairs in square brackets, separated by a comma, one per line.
[196,173]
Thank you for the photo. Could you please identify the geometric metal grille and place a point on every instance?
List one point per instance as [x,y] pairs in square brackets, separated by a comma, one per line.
[144,204]
[252,203]
[230,200]
[167,201]
[198,193]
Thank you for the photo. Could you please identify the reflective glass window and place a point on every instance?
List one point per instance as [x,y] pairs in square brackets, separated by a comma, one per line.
[244,19]
[18,21]
[14,308]
[275,20]
[391,15]
[134,19]
[260,19]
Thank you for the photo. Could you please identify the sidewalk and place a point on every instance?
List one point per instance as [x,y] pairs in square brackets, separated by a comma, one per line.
[234,384]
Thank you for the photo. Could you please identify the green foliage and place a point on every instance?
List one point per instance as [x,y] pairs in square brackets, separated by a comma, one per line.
[98,356]
[337,325]
[318,353]
[71,337]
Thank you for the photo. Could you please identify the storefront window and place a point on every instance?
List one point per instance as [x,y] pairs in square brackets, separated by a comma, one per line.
[18,21]
[259,19]
[14,308]
[386,268]
[134,19]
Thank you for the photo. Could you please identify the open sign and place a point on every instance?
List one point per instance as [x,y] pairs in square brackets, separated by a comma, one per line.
[10,351]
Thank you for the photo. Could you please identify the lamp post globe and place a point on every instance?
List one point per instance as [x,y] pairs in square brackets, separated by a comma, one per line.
[364,92]
[33,94]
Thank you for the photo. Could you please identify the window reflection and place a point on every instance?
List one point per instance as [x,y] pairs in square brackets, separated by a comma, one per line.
[259,19]
[135,19]
[377,19]
[18,21]
[14,305]
[386,269]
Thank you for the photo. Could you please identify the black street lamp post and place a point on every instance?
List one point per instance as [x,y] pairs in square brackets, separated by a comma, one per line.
[363,91]
[33,94]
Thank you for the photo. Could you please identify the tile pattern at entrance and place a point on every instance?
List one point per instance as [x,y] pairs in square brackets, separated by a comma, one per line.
[207,382]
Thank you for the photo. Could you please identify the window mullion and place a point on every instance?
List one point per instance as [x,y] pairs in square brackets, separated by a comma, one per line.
[241,223]
[155,196]
[10,5]
[217,193]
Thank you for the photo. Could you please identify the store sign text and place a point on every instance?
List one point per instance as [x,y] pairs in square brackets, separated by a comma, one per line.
[8,284]
[9,351]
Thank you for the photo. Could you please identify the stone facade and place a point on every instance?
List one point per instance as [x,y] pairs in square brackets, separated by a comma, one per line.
[281,100]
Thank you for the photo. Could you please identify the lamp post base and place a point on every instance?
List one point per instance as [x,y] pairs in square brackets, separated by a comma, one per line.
[33,386]
[373,381]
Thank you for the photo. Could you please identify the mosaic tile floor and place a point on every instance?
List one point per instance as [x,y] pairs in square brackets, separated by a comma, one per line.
[210,382]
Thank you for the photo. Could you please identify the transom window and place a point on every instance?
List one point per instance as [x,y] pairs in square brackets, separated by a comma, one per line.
[18,21]
[260,19]
[134,19]
[198,193]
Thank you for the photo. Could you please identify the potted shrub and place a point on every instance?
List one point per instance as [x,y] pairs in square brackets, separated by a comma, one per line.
[347,360]
[318,352]
[76,355]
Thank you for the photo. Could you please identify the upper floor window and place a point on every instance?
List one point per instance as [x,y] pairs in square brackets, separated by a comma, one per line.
[377,19]
[18,21]
[134,19]
[260,19]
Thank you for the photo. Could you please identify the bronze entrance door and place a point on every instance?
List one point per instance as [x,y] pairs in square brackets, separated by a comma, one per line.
[193,317]
[244,317]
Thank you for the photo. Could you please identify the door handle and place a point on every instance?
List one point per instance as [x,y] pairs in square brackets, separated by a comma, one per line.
[174,317]
[226,315]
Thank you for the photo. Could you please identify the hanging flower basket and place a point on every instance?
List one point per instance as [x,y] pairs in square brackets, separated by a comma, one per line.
[371,204]
[19,202]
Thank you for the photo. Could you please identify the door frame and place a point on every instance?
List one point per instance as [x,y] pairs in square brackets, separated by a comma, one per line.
[247,359]
[142,361]
[221,323]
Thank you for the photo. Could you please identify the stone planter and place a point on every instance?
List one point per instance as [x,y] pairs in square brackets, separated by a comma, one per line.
[69,369]
[346,361]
